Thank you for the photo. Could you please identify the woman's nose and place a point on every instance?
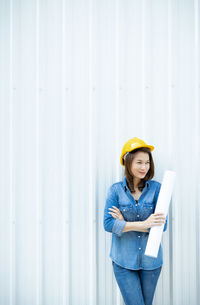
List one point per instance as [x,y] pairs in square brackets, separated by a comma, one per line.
[143,166]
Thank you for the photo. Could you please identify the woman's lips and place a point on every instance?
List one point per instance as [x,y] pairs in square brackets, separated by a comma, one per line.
[142,173]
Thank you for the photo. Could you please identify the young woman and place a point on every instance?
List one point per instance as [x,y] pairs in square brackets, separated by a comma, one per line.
[129,215]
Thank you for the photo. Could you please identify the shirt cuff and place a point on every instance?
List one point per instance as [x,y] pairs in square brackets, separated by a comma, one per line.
[118,227]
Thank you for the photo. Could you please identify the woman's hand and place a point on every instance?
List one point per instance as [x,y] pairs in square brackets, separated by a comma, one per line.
[154,220]
[116,213]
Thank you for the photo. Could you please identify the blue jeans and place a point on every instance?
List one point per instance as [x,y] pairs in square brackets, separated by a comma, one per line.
[137,286]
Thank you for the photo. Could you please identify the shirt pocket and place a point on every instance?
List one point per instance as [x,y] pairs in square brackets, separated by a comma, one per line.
[148,209]
[128,211]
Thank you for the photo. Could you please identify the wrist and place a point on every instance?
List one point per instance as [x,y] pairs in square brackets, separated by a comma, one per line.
[144,225]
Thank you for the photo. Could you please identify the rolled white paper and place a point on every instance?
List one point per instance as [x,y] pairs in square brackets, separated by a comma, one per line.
[162,206]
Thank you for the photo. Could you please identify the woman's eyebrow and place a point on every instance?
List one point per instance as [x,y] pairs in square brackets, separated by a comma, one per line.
[141,160]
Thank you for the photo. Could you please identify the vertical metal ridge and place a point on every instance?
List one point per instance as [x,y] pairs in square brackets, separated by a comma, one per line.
[39,223]
[169,61]
[117,131]
[117,85]
[143,68]
[65,221]
[12,186]
[196,131]
[67,56]
[91,190]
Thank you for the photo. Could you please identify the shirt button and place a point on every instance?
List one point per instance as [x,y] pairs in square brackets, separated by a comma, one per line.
[136,205]
[139,248]
[139,236]
[123,209]
[138,215]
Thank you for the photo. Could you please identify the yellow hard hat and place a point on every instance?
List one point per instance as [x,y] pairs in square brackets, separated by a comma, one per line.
[131,145]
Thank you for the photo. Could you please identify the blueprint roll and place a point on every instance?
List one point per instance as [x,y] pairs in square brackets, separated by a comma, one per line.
[162,206]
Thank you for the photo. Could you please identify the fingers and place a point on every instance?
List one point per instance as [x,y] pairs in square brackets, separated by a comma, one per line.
[117,216]
[157,219]
[113,215]
[159,216]
[112,210]
[116,213]
[115,210]
[157,222]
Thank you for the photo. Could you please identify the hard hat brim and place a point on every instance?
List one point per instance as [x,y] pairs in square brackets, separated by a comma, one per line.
[148,146]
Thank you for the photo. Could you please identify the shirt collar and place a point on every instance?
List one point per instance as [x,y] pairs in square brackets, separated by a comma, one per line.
[124,182]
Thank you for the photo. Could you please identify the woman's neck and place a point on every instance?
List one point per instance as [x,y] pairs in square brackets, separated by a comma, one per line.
[136,182]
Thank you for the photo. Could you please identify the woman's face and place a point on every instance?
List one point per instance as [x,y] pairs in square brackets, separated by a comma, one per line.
[140,164]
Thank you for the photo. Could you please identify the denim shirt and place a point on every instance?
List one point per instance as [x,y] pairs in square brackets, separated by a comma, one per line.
[127,248]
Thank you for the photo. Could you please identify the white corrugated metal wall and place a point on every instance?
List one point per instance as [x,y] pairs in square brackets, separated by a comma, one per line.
[78,79]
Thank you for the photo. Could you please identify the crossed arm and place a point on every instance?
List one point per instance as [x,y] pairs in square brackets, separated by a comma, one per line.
[141,226]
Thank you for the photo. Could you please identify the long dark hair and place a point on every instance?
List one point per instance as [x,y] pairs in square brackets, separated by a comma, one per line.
[128,174]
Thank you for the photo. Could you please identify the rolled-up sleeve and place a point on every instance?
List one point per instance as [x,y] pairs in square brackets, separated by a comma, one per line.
[111,224]
[156,199]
